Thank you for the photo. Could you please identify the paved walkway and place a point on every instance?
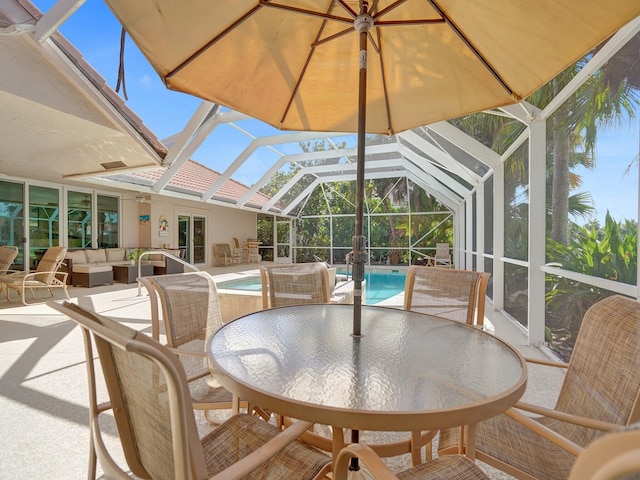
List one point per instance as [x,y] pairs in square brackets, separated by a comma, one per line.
[43,393]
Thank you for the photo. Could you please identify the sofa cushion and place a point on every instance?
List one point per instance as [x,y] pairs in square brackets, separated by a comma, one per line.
[154,257]
[86,268]
[115,254]
[76,256]
[96,256]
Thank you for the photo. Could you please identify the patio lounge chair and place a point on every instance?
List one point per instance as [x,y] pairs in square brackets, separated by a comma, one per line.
[454,294]
[149,395]
[7,255]
[295,284]
[46,275]
[190,314]
[442,257]
[600,393]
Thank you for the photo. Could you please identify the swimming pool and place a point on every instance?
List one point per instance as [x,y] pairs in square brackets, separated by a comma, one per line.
[380,284]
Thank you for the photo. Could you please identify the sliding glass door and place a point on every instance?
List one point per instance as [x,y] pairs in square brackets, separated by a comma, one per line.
[192,238]
[12,218]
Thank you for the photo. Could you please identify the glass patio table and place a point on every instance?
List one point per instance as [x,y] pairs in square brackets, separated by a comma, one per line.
[408,371]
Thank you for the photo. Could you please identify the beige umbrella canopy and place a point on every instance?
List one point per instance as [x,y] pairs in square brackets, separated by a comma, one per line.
[304,64]
[294,63]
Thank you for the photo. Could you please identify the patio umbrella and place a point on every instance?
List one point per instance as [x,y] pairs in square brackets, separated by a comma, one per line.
[382,66]
[304,64]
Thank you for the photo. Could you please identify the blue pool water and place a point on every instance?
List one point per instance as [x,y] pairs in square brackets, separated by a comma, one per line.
[379,286]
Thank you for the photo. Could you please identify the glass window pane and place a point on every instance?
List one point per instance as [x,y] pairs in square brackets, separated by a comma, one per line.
[79,220]
[108,221]
[44,221]
[12,218]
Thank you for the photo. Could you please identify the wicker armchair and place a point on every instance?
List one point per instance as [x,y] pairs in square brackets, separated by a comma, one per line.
[46,275]
[295,284]
[454,294]
[600,393]
[223,256]
[148,391]
[189,314]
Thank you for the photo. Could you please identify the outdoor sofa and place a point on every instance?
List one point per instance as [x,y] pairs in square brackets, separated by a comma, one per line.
[91,267]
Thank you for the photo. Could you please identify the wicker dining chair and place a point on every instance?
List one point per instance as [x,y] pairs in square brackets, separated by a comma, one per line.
[444,292]
[295,284]
[186,306]
[149,397]
[46,275]
[615,456]
[447,467]
[600,393]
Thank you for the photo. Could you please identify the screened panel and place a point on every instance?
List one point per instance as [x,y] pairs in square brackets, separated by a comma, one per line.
[516,204]
[567,302]
[516,296]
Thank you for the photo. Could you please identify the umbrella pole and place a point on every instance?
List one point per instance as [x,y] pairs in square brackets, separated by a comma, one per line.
[362,24]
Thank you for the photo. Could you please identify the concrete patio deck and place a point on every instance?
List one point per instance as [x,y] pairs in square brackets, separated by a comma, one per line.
[43,392]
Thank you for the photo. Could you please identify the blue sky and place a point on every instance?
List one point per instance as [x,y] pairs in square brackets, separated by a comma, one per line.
[96,33]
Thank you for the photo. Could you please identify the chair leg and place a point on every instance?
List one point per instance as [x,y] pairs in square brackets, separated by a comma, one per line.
[91,475]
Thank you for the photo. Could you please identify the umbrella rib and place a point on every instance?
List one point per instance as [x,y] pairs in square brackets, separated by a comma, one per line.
[384,83]
[213,41]
[349,10]
[304,11]
[302,73]
[386,10]
[473,49]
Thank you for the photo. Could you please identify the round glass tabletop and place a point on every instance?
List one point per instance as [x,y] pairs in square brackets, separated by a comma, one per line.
[408,371]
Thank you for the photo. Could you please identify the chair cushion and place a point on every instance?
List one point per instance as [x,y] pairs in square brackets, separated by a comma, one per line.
[96,256]
[91,268]
[76,256]
[154,257]
[115,254]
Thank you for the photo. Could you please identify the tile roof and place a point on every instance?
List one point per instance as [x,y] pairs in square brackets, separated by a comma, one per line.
[195,177]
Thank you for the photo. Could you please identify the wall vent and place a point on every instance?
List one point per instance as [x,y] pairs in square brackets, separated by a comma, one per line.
[112,165]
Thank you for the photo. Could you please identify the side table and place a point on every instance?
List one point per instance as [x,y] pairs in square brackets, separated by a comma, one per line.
[127,273]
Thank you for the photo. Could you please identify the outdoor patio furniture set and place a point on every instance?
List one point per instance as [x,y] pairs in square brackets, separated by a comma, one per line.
[242,252]
[597,396]
[103,266]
